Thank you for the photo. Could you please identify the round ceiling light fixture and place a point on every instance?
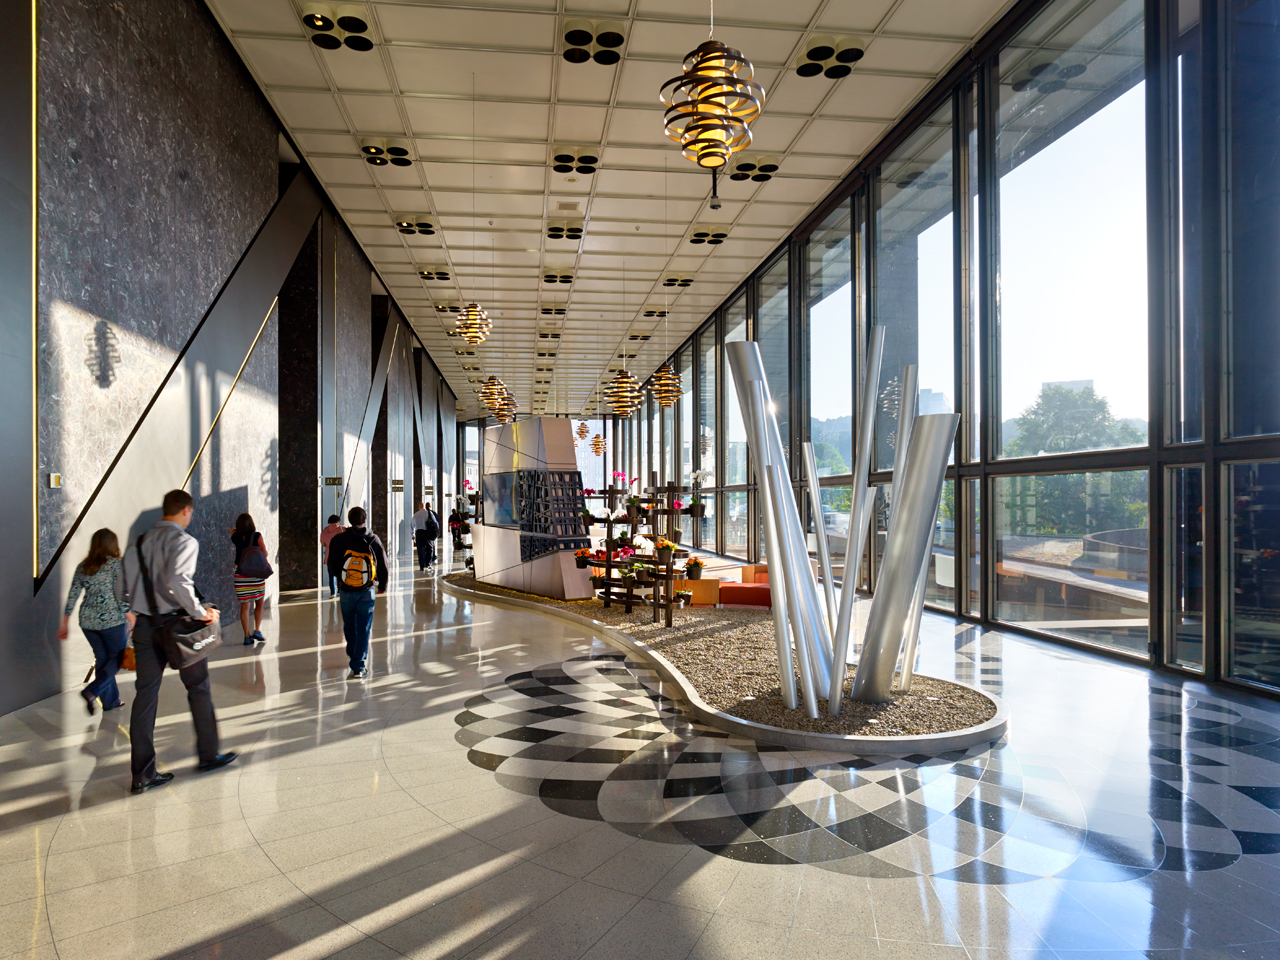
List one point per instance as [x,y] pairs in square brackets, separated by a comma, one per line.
[665,385]
[492,392]
[597,445]
[623,394]
[711,106]
[473,324]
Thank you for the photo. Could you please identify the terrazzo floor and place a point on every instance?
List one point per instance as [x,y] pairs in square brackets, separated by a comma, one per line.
[508,786]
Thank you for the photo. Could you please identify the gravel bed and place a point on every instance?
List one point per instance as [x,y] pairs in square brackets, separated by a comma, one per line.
[730,658]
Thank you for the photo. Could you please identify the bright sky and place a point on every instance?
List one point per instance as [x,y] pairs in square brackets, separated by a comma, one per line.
[1073,277]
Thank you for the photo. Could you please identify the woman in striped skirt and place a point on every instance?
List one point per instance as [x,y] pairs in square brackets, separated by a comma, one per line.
[252,570]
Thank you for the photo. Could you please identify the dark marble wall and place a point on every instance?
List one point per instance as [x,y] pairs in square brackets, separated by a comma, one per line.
[299,366]
[157,164]
[354,362]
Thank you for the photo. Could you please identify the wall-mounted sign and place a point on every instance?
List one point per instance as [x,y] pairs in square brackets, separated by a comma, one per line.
[397,486]
[333,481]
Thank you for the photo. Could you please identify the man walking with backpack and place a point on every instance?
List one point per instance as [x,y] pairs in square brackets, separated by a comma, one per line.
[426,527]
[357,559]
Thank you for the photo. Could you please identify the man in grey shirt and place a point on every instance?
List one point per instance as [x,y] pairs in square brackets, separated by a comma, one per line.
[170,554]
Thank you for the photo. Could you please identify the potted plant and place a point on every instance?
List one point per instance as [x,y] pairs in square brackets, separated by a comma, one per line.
[684,596]
[696,507]
[582,557]
[587,518]
[628,576]
[641,571]
[663,549]
[597,582]
[633,506]
[693,568]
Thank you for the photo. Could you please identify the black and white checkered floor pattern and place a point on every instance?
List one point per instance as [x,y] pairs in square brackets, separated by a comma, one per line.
[596,738]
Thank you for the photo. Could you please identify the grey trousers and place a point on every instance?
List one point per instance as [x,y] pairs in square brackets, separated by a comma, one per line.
[149,650]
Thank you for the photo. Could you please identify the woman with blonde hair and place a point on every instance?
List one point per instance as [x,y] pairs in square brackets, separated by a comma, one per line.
[104,616]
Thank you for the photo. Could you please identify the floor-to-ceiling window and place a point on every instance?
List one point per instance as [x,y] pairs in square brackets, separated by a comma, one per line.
[708,420]
[773,331]
[914,279]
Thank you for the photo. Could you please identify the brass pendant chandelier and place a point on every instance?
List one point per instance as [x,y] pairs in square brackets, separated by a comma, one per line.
[597,445]
[492,392]
[623,394]
[665,385]
[504,410]
[711,106]
[473,324]
[583,430]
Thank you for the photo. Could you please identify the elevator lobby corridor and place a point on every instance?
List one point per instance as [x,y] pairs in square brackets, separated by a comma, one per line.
[572,811]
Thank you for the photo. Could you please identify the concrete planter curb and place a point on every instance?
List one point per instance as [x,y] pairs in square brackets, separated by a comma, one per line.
[929,744]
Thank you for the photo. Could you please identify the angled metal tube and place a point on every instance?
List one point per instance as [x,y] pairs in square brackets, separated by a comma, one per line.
[803,652]
[752,416]
[910,538]
[912,637]
[824,549]
[906,419]
[859,519]
[748,369]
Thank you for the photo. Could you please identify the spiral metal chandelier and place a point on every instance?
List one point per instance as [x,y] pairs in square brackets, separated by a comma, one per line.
[504,410]
[583,430]
[597,445]
[492,392]
[623,394]
[473,324]
[665,385]
[711,106]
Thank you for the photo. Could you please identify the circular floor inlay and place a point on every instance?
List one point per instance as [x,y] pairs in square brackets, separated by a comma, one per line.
[595,738]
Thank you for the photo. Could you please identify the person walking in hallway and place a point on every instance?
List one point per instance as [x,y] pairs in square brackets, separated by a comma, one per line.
[169,554]
[426,527]
[252,570]
[357,559]
[334,528]
[104,616]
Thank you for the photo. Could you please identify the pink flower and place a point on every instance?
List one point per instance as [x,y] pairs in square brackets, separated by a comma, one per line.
[676,504]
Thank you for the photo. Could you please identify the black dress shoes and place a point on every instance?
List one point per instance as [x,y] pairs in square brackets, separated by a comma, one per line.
[221,760]
[159,780]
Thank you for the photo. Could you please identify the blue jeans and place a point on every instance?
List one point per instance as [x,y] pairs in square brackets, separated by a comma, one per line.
[357,624]
[107,645]
[333,584]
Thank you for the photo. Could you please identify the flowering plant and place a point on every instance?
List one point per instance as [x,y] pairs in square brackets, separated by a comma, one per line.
[700,475]
[588,492]
[619,475]
[662,543]
[676,504]
[694,563]
[622,553]
[467,484]
[584,552]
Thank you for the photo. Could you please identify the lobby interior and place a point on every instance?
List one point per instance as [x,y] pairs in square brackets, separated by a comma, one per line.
[245,242]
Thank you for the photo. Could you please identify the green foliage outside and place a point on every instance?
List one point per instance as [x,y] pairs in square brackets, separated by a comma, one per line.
[1063,420]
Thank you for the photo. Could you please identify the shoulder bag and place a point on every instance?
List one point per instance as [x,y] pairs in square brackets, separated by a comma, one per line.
[253,562]
[185,639]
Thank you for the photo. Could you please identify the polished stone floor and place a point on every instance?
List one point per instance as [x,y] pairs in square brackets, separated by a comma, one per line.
[507,786]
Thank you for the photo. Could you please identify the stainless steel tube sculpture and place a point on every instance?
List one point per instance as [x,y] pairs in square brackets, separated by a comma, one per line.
[754,423]
[910,538]
[859,518]
[820,534]
[813,636]
[906,420]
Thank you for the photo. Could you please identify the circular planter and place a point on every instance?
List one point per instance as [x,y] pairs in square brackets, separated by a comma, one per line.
[693,573]
[696,510]
[929,744]
[583,562]
[664,556]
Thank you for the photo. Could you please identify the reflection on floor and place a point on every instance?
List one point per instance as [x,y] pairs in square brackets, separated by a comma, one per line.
[508,786]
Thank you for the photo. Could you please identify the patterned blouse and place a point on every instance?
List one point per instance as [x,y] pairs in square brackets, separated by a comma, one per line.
[104,596]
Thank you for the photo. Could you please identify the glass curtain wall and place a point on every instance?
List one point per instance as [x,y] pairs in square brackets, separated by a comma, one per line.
[1121,403]
[914,278]
[773,332]
[1071,164]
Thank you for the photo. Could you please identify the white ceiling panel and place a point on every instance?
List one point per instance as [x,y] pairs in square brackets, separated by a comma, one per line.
[453,118]
[637,208]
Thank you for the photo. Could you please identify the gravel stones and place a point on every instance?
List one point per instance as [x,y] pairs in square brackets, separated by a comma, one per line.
[730,658]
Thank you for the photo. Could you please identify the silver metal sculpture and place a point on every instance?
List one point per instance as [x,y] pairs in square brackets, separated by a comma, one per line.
[802,621]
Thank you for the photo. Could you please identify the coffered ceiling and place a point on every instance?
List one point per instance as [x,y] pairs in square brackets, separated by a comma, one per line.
[483,97]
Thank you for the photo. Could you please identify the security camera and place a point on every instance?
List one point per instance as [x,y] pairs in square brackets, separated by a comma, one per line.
[715,203]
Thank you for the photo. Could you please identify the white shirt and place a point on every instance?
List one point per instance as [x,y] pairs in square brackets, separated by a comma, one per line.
[419,521]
